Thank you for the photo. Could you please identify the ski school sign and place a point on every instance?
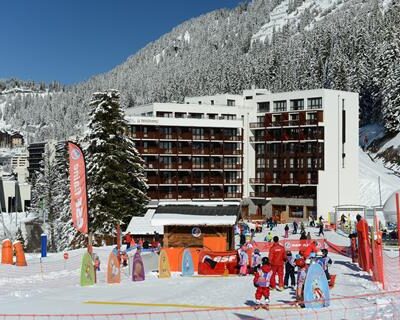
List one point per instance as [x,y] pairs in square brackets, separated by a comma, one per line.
[77,176]
[290,245]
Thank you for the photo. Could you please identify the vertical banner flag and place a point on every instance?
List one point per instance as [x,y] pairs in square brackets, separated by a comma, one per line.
[77,176]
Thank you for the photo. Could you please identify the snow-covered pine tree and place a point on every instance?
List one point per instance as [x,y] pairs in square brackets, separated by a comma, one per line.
[45,189]
[391,100]
[116,179]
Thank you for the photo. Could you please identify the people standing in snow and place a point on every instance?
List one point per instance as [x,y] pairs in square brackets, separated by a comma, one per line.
[256,258]
[289,270]
[268,237]
[302,227]
[308,236]
[127,240]
[287,231]
[301,279]
[295,226]
[321,229]
[325,261]
[277,258]
[243,261]
[262,278]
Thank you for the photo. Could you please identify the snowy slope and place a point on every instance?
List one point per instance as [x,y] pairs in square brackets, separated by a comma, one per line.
[279,17]
[370,172]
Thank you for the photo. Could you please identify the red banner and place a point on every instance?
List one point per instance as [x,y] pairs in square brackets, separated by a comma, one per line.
[290,245]
[77,177]
[218,263]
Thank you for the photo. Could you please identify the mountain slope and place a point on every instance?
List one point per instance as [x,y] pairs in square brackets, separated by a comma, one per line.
[342,46]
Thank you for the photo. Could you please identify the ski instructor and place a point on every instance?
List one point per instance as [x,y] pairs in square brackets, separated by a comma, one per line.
[277,258]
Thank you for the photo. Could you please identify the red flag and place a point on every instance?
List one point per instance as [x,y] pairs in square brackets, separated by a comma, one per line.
[77,177]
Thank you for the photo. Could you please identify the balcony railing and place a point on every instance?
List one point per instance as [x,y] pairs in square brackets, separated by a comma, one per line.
[193,195]
[257,125]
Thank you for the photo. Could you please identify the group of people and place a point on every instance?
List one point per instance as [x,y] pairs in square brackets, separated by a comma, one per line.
[129,241]
[283,265]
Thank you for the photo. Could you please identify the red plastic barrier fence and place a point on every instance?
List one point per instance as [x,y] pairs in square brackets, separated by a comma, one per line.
[343,250]
[292,245]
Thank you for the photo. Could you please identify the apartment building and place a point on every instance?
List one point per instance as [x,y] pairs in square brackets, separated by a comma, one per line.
[293,152]
[306,152]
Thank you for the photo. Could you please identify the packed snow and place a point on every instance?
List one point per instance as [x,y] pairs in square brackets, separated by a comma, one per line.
[51,285]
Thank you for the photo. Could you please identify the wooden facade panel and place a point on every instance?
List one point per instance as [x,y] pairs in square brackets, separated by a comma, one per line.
[181,236]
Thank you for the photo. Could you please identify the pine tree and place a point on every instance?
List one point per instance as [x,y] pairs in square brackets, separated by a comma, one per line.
[44,191]
[391,100]
[116,180]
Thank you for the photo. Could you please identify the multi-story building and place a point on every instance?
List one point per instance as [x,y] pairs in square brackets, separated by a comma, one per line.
[293,152]
[306,157]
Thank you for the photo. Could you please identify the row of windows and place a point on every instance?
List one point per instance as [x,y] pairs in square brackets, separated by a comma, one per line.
[291,163]
[295,105]
[195,115]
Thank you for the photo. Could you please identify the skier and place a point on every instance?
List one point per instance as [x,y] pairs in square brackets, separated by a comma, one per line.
[262,277]
[243,261]
[128,239]
[268,237]
[256,258]
[311,248]
[325,261]
[321,229]
[277,257]
[295,226]
[302,227]
[287,231]
[301,278]
[289,270]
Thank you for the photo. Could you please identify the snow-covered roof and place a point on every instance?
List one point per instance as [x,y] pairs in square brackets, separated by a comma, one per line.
[196,214]
[190,220]
[143,226]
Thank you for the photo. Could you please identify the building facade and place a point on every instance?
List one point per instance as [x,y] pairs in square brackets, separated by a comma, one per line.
[292,153]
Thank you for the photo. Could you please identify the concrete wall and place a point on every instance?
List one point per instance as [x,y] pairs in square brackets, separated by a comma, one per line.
[338,183]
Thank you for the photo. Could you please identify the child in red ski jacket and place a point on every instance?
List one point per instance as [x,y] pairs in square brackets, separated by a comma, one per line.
[262,277]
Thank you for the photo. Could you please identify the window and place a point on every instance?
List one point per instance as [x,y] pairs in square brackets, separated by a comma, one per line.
[196,115]
[180,114]
[263,107]
[212,102]
[230,103]
[275,163]
[249,98]
[261,163]
[279,106]
[212,116]
[228,116]
[296,105]
[314,103]
[292,163]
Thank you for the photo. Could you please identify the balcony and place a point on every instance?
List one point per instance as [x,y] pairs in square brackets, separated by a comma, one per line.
[193,195]
[257,125]
[151,135]
[260,194]
[232,138]
[233,195]
[258,181]
[184,150]
[232,166]
[168,151]
[230,152]
[201,151]
[233,181]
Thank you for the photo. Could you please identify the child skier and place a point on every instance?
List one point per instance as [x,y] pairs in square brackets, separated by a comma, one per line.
[325,261]
[289,270]
[256,258]
[301,278]
[262,277]
[243,261]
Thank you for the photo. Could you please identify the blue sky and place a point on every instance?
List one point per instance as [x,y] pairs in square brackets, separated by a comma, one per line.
[71,40]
